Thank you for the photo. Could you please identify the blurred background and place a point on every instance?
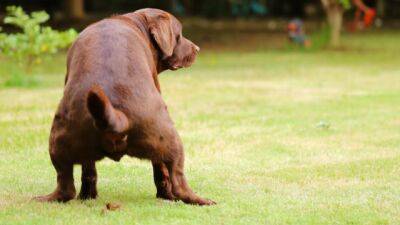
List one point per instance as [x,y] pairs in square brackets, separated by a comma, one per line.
[224,23]
[215,25]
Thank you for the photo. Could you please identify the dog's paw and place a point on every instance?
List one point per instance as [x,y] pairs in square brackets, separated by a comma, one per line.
[45,198]
[203,201]
[88,191]
[54,197]
[166,195]
[83,195]
[198,201]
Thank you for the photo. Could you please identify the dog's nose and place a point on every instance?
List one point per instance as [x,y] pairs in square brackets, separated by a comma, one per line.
[197,48]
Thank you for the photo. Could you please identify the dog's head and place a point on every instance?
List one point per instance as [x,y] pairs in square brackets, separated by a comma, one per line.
[175,51]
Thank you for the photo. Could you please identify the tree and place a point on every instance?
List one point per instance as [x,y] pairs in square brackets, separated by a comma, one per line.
[334,10]
[35,41]
[75,9]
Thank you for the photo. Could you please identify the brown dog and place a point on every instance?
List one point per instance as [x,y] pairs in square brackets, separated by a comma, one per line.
[112,104]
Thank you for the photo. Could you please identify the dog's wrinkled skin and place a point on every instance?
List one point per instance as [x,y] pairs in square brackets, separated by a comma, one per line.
[112,104]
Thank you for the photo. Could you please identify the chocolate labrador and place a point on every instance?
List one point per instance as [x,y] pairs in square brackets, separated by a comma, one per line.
[112,104]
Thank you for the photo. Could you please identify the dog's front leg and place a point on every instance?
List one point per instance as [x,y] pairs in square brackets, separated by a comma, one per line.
[180,187]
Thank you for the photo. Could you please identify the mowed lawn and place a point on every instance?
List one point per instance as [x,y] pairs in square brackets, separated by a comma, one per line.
[275,137]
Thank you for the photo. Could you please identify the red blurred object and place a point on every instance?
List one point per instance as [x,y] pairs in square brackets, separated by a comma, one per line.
[292,27]
[369,17]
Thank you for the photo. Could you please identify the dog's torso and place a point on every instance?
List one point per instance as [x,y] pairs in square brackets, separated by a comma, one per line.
[116,56]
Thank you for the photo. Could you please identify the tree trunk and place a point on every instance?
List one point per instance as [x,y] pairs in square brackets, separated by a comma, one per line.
[335,19]
[188,6]
[381,8]
[334,11]
[75,9]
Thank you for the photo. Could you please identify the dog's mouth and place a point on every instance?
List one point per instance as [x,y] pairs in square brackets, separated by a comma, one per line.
[175,67]
[184,63]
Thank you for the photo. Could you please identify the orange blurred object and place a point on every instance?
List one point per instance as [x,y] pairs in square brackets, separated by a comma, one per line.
[369,17]
[292,27]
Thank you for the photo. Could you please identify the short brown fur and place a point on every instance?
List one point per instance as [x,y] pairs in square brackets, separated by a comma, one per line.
[112,104]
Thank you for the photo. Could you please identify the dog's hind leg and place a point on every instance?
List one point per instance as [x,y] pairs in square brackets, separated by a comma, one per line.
[65,190]
[89,181]
[162,181]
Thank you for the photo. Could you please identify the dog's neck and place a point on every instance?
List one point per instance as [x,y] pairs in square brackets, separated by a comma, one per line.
[140,22]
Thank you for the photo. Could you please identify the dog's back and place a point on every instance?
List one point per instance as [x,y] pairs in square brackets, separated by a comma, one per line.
[106,56]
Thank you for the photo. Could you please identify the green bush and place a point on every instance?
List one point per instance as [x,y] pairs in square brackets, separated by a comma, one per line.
[19,80]
[346,3]
[35,42]
[320,38]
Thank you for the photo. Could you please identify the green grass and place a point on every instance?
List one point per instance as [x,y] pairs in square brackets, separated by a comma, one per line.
[251,126]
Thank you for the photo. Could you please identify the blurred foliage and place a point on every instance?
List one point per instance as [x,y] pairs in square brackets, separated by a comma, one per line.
[207,8]
[19,80]
[346,3]
[320,38]
[35,42]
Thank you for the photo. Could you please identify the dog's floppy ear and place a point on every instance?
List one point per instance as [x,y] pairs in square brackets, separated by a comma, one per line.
[160,27]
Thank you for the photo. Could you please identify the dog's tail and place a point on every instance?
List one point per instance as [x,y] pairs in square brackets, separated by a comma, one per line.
[105,116]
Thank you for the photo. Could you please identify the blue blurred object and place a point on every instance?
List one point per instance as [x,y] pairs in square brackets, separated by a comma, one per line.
[258,8]
[296,32]
[245,8]
[178,8]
